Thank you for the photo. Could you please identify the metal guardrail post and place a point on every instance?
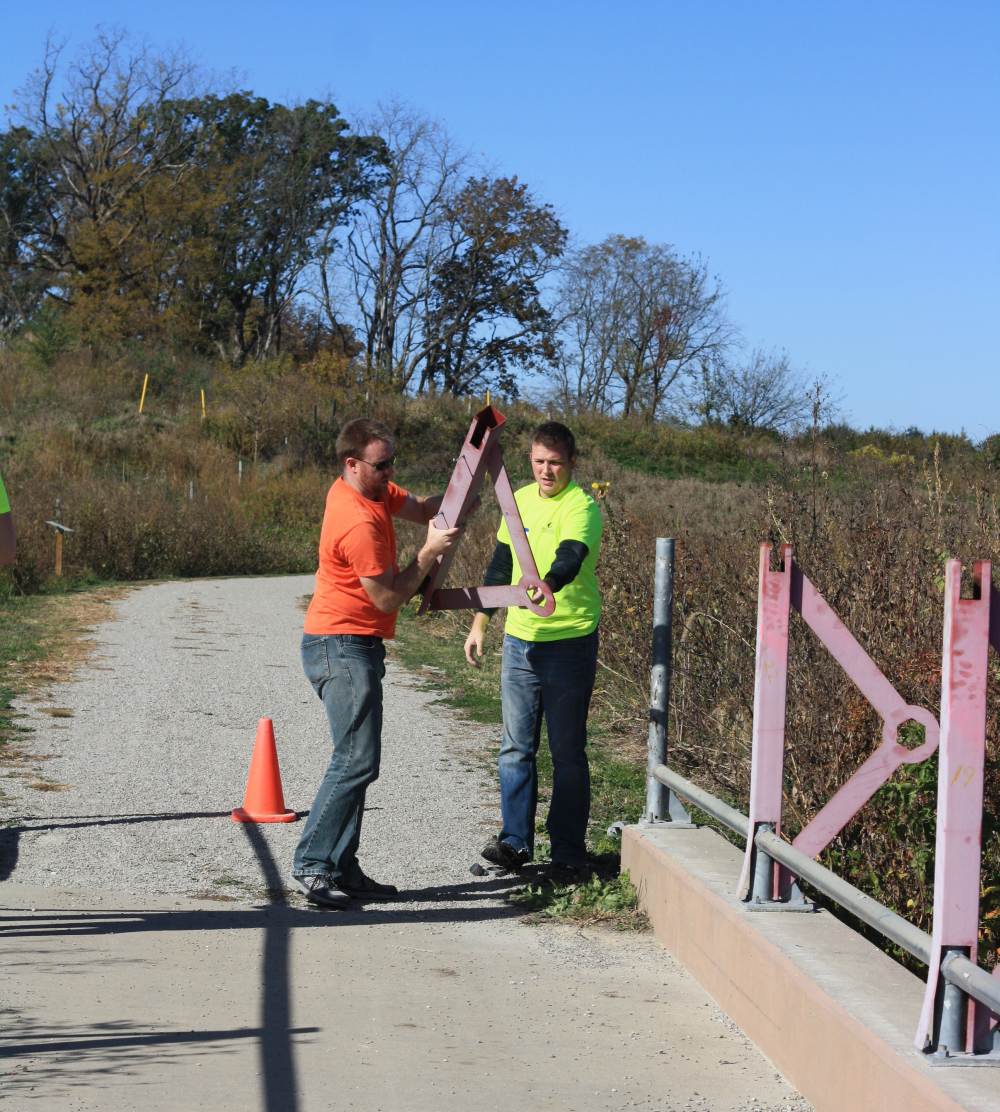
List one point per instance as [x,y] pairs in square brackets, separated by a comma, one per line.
[661,803]
[983,987]
[954,1006]
[762,890]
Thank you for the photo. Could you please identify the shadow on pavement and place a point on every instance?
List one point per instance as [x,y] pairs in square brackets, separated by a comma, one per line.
[10,836]
[276,1057]
[276,919]
[49,1041]
[15,923]
[47,1062]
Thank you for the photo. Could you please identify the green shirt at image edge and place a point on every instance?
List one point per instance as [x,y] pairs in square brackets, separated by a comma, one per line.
[572,515]
[4,502]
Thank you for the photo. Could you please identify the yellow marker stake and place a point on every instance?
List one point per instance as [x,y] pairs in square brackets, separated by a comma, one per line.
[487,397]
[203,403]
[145,383]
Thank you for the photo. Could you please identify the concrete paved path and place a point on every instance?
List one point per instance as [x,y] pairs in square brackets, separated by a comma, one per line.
[125,987]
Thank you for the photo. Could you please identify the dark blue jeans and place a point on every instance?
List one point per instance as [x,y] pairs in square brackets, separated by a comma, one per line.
[554,679]
[346,672]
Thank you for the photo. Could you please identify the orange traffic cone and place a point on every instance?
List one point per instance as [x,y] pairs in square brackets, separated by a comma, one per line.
[264,801]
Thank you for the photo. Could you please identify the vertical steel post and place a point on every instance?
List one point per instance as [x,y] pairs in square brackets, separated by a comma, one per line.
[954,1006]
[762,883]
[657,796]
[661,803]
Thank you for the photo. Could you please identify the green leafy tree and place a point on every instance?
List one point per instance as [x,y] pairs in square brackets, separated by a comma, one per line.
[486,318]
[153,211]
[93,148]
[21,287]
[281,178]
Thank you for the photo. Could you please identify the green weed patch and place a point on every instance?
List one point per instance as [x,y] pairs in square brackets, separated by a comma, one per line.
[613,902]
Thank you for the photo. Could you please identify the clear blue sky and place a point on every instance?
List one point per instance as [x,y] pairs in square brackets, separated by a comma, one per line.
[837,163]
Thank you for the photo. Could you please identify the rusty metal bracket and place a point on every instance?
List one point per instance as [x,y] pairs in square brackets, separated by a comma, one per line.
[481,455]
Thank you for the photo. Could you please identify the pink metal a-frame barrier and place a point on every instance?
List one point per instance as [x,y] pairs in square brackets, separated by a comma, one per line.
[952,1024]
[481,455]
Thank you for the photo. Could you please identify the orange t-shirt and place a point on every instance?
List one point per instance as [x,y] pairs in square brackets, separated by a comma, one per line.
[357,539]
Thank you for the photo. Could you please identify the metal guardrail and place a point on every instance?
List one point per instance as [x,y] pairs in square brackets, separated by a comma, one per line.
[957,970]
[735,820]
[870,911]
[961,979]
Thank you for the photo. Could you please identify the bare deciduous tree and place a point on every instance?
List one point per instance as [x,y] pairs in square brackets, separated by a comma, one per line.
[381,284]
[638,320]
[763,391]
[98,142]
[439,274]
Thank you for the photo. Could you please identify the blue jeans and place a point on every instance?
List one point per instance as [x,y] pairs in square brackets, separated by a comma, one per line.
[346,672]
[554,679]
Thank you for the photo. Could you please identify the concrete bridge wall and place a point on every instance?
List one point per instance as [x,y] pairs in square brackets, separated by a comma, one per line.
[834,1014]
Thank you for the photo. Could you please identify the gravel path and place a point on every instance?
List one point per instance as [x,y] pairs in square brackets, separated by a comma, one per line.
[154,749]
[134,767]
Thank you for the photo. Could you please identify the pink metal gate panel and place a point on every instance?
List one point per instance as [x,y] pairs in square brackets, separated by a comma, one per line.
[778,593]
[770,680]
[967,633]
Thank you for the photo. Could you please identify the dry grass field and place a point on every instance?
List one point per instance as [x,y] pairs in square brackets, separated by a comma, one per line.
[872,516]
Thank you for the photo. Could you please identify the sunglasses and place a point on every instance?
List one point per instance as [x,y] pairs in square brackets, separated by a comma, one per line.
[383,464]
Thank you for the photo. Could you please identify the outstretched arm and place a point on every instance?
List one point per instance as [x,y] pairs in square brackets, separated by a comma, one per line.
[390,590]
[500,572]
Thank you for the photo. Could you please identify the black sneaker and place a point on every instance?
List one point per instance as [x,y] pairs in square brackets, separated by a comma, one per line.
[319,890]
[505,855]
[366,888]
[562,873]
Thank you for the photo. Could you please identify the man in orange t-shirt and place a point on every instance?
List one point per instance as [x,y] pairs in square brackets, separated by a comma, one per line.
[359,588]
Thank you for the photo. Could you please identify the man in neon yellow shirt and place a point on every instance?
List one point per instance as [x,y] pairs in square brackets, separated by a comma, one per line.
[8,547]
[548,663]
